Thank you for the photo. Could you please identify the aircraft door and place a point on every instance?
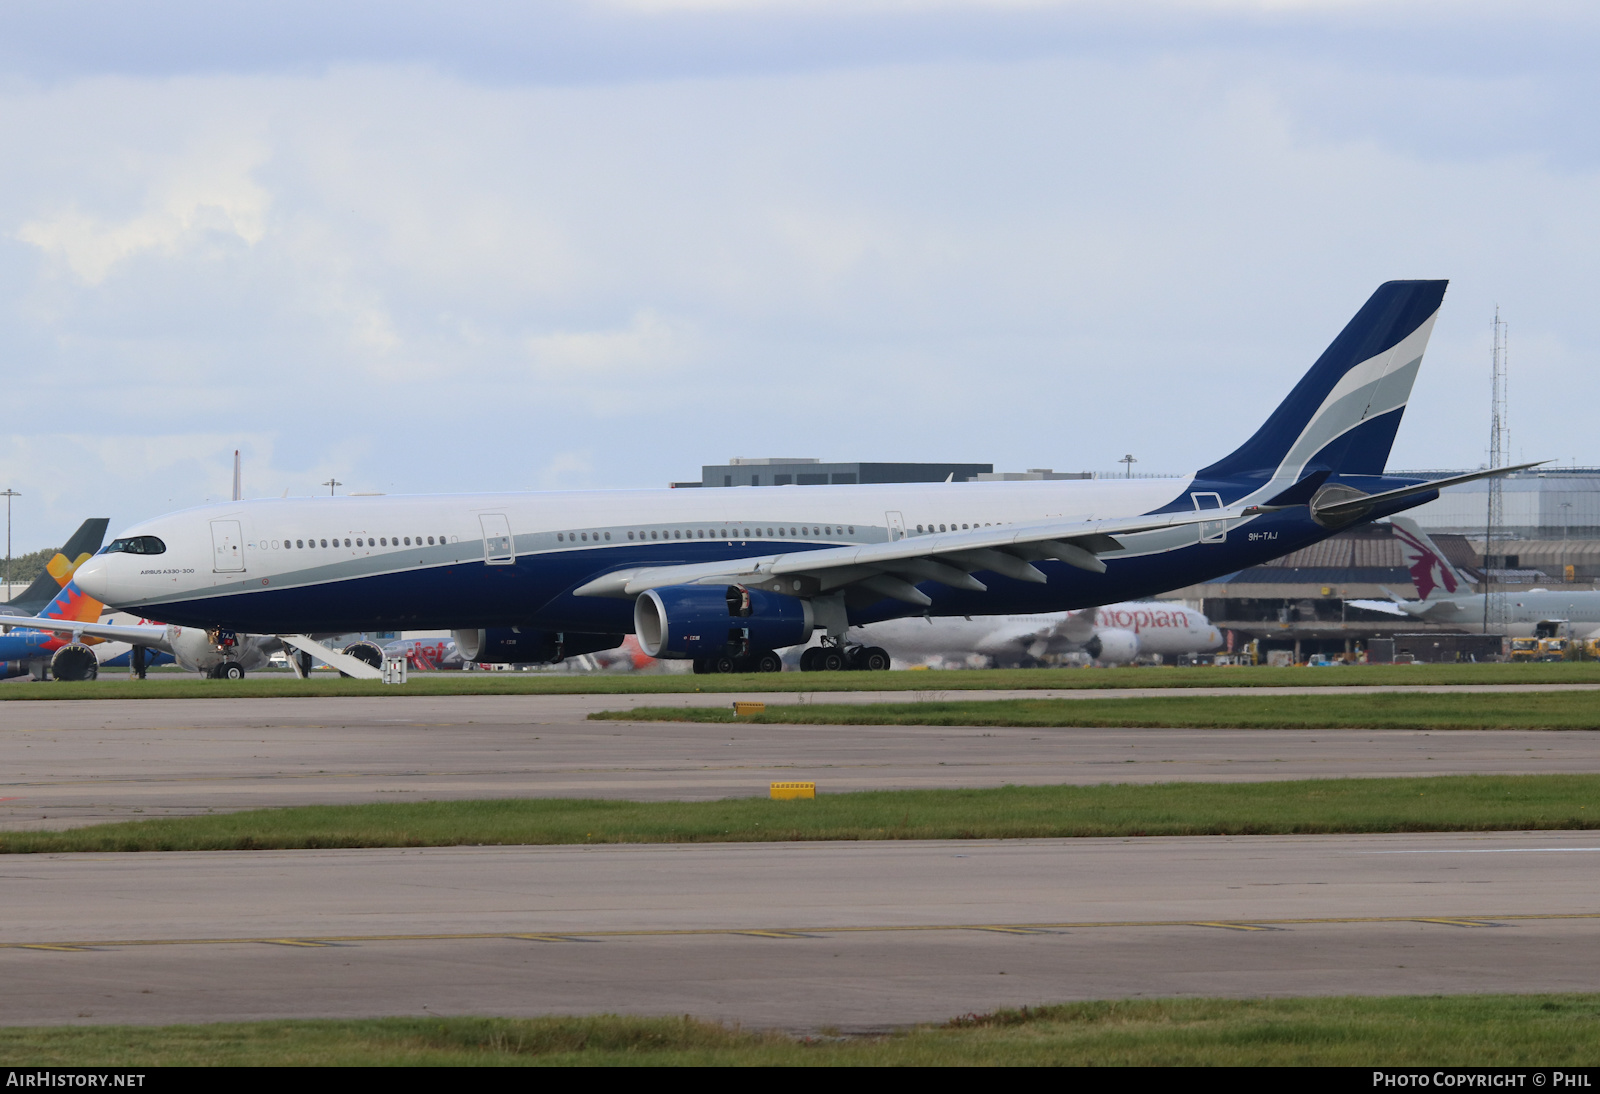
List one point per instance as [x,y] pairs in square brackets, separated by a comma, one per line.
[497,545]
[227,547]
[1212,531]
[897,526]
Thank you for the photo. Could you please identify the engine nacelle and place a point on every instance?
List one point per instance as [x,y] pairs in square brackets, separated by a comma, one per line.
[525,646]
[366,652]
[74,662]
[707,620]
[1113,647]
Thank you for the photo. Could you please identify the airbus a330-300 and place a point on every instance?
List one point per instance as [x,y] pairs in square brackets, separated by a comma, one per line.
[728,576]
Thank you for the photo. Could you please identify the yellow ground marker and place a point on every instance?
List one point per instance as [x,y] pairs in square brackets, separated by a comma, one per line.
[741,709]
[788,791]
[1457,922]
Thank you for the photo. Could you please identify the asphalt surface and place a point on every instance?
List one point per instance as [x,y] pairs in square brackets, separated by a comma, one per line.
[70,763]
[802,936]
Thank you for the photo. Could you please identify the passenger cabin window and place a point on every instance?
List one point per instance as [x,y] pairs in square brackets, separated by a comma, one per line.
[136,545]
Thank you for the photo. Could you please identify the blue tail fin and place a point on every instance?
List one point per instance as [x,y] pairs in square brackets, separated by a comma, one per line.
[1342,415]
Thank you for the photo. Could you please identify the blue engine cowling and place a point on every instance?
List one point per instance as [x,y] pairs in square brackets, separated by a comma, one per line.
[526,646]
[706,620]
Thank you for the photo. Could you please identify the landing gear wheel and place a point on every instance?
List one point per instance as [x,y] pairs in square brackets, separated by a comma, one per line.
[829,659]
[808,659]
[872,659]
[230,670]
[768,661]
[722,663]
[700,666]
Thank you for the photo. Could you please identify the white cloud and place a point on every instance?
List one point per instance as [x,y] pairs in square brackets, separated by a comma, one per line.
[409,281]
[208,191]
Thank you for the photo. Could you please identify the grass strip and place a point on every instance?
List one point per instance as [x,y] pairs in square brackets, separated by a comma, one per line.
[1457,803]
[284,685]
[1390,710]
[1395,1031]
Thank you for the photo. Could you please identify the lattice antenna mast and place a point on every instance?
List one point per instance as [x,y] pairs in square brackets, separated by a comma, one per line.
[1494,600]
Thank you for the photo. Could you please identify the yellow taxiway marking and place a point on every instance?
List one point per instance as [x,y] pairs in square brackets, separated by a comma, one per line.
[807,932]
[545,937]
[1235,926]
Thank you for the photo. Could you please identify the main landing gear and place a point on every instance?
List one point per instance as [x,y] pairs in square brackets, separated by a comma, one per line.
[839,658]
[758,661]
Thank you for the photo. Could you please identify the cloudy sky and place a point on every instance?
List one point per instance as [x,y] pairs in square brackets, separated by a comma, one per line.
[429,247]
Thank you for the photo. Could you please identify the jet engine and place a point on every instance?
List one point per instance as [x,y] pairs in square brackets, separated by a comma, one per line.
[707,620]
[525,646]
[1113,646]
[369,652]
[74,662]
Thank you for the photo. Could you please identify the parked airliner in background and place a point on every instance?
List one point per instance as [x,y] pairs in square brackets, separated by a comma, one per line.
[1117,634]
[85,542]
[725,577]
[1447,596]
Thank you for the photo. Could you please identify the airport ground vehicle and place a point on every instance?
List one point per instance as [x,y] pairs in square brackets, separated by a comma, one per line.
[725,574]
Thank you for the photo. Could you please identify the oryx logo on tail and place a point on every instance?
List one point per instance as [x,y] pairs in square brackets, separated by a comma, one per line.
[1429,570]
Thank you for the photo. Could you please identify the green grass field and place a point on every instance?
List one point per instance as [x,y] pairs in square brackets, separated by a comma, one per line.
[1472,803]
[1416,1031]
[1402,710]
[269,685]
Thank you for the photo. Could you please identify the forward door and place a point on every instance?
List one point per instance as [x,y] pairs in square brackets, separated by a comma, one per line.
[227,547]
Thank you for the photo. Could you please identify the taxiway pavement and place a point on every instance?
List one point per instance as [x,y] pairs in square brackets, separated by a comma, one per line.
[806,935]
[71,763]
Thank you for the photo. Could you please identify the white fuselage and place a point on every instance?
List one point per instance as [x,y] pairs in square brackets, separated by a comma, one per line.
[1159,628]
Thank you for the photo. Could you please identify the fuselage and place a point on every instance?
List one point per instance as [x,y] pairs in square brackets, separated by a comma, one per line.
[1525,610]
[1157,628]
[510,560]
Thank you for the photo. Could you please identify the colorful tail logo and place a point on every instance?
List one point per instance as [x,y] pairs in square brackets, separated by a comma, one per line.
[1428,570]
[73,604]
[62,570]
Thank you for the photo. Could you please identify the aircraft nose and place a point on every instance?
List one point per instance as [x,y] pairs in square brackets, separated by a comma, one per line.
[93,578]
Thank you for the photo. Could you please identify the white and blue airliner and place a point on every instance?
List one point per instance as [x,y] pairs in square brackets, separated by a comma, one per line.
[726,577]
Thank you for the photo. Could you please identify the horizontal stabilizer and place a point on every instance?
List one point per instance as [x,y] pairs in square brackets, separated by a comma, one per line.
[1347,507]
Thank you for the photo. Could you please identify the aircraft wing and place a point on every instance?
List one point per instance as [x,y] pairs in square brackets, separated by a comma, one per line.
[153,636]
[1388,607]
[893,569]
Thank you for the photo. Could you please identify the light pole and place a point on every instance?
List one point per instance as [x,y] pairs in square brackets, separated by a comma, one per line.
[1565,517]
[330,484]
[1130,461]
[8,495]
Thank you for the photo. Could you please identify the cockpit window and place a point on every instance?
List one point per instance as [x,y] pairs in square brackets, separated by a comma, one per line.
[136,545]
